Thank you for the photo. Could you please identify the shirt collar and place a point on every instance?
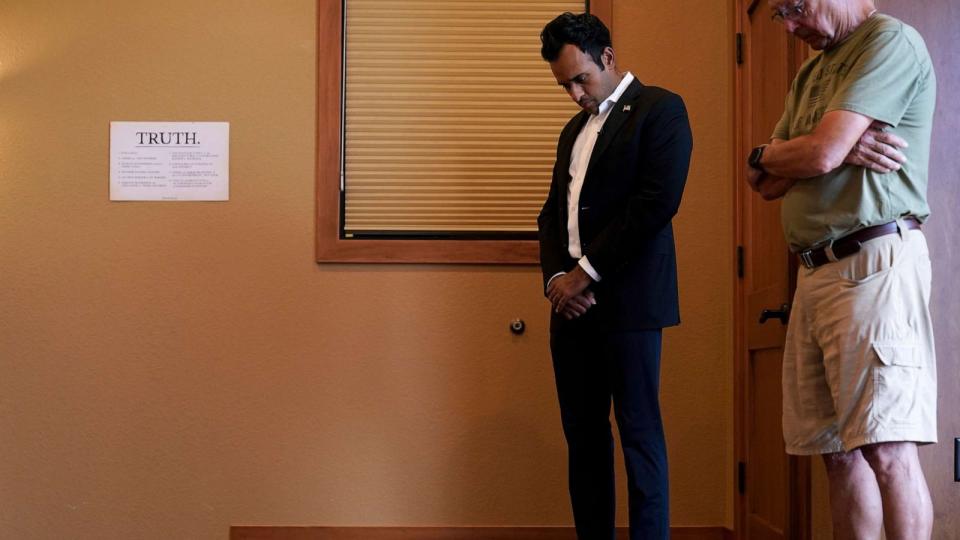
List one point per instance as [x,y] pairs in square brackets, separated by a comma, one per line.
[615,96]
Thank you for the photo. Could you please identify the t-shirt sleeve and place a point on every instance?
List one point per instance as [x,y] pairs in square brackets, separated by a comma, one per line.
[883,80]
[782,129]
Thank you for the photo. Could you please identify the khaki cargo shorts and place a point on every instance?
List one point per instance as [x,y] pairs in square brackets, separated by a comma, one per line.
[859,365]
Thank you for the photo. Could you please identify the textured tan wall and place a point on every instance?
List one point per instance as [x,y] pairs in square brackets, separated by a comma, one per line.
[169,369]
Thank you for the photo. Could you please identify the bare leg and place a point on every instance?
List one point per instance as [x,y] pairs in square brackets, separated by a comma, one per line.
[907,510]
[854,497]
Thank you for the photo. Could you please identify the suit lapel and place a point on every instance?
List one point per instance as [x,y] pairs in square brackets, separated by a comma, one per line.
[621,110]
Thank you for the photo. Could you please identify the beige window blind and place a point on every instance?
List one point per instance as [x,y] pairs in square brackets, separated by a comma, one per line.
[450,116]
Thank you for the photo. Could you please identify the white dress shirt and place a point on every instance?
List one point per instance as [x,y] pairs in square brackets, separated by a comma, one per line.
[579,160]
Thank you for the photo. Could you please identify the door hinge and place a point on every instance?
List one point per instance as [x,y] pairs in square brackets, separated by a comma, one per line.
[741,477]
[739,48]
[740,262]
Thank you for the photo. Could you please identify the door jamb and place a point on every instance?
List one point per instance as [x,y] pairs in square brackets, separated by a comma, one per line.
[799,466]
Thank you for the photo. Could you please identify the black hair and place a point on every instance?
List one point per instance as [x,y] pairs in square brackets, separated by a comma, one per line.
[585,31]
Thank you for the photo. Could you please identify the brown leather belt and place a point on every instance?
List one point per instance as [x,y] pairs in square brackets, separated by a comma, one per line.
[850,244]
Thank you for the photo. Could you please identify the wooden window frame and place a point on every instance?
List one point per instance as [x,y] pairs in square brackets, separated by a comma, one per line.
[331,247]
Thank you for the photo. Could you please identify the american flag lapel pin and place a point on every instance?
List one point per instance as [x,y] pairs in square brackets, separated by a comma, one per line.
[626,108]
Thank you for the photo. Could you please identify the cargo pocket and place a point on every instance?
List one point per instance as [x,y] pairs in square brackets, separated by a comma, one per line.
[895,383]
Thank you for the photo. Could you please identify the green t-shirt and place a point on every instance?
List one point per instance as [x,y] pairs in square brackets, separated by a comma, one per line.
[883,71]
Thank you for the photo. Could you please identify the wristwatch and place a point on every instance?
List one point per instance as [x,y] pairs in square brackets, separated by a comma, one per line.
[755,156]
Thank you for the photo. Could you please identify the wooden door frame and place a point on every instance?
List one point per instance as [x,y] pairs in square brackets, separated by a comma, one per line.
[799,517]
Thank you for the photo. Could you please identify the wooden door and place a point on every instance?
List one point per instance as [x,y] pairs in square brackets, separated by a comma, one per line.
[773,492]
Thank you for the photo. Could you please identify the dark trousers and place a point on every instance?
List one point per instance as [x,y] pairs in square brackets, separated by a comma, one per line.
[591,367]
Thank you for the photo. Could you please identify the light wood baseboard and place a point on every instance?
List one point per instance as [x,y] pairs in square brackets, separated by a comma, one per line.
[449,533]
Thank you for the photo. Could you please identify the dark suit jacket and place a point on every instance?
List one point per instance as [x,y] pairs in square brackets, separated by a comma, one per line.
[631,191]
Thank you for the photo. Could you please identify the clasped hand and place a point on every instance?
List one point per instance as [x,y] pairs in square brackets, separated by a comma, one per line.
[568,294]
[878,150]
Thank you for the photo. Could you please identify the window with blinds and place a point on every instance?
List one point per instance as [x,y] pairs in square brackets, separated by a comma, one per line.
[450,117]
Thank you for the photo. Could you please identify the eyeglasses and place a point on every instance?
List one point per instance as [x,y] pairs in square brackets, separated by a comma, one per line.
[780,14]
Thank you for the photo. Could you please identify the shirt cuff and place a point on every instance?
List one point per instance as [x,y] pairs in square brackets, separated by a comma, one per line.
[588,268]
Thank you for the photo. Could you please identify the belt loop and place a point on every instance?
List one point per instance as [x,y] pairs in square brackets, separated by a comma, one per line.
[828,250]
[902,229]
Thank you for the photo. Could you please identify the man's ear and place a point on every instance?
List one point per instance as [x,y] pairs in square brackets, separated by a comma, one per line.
[608,58]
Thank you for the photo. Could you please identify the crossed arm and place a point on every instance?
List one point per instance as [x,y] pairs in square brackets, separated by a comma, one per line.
[842,137]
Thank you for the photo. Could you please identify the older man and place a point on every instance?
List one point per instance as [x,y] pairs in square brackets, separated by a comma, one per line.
[849,157]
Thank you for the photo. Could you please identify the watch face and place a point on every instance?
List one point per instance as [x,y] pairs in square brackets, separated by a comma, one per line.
[754,159]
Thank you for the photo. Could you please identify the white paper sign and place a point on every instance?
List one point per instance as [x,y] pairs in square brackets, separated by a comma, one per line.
[169,161]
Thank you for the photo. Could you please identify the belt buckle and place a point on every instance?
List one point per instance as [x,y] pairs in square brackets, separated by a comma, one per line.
[806,258]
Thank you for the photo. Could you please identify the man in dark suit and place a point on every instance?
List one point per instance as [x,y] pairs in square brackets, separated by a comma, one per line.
[609,270]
